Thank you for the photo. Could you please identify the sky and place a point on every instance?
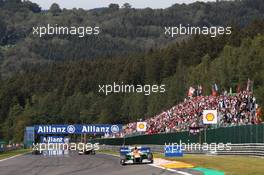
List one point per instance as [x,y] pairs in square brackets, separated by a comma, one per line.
[90,4]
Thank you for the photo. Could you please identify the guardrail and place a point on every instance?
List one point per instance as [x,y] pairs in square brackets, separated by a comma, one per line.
[236,134]
[249,149]
[4,148]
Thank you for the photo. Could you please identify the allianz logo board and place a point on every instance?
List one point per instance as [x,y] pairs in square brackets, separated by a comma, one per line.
[78,129]
[52,139]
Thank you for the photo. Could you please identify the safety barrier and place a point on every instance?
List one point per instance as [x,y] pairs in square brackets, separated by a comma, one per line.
[249,149]
[4,147]
[234,135]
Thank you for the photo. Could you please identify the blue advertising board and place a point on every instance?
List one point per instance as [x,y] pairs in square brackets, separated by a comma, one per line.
[52,139]
[29,136]
[2,146]
[78,129]
[173,151]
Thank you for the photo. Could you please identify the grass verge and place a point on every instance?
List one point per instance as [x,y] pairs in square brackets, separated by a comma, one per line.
[231,165]
[8,154]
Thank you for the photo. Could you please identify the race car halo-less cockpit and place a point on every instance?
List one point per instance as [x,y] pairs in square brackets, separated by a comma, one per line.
[131,155]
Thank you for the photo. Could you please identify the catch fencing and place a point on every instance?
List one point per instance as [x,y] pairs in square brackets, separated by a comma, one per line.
[235,135]
[4,147]
[248,149]
[244,140]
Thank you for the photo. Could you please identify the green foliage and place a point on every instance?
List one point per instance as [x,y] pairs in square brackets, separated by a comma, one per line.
[127,6]
[113,7]
[68,92]
[53,80]
[124,31]
[55,9]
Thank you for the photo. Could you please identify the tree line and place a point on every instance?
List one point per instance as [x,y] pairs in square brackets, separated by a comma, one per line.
[67,92]
[125,30]
[55,79]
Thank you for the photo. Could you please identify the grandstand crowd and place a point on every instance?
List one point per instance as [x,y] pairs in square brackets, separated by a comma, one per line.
[233,109]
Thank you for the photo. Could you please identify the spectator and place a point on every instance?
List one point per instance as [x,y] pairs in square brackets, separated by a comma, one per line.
[239,109]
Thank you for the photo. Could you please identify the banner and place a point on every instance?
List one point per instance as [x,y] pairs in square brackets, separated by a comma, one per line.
[141,126]
[78,129]
[52,139]
[191,92]
[29,136]
[173,151]
[210,117]
[214,90]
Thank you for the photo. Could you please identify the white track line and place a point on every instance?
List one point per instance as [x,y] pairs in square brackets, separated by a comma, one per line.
[10,157]
[169,169]
[110,154]
[157,166]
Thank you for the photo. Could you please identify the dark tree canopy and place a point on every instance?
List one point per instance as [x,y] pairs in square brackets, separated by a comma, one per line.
[55,79]
[55,9]
[113,6]
[127,6]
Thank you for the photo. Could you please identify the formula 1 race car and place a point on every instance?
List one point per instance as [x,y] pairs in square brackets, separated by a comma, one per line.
[90,151]
[135,155]
[36,152]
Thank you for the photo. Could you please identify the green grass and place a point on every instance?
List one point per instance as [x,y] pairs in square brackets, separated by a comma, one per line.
[108,152]
[231,165]
[8,154]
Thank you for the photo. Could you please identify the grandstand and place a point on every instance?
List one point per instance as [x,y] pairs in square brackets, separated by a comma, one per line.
[233,110]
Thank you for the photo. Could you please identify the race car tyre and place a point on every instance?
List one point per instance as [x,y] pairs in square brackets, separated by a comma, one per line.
[36,152]
[150,157]
[122,160]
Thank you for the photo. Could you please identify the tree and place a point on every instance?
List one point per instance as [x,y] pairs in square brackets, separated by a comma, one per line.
[10,124]
[113,7]
[1,3]
[2,31]
[55,9]
[126,6]
[176,91]
[32,6]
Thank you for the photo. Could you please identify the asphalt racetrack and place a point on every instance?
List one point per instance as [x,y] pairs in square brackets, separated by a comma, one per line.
[74,164]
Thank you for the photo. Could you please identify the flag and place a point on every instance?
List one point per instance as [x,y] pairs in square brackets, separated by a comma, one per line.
[214,90]
[249,85]
[191,92]
[169,113]
[258,115]
[200,90]
[238,89]
[210,117]
[230,91]
[216,87]
[141,126]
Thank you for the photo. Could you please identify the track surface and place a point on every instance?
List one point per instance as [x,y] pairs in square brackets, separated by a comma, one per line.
[73,164]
